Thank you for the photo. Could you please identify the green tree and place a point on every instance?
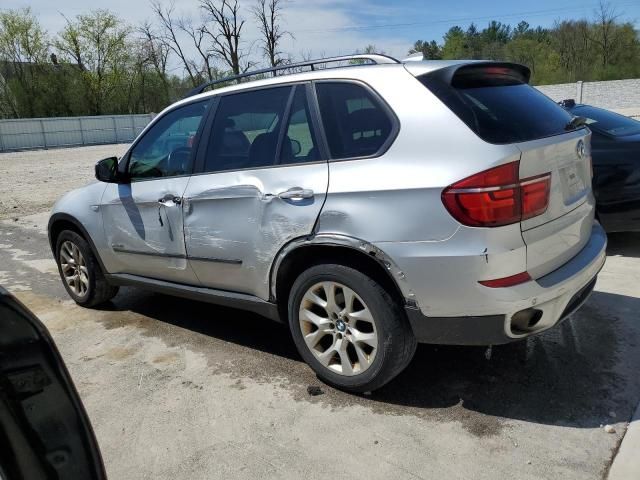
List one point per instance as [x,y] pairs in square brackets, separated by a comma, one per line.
[571,42]
[602,49]
[454,44]
[493,40]
[98,45]
[23,52]
[430,50]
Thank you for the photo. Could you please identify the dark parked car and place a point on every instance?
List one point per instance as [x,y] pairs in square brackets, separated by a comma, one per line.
[616,165]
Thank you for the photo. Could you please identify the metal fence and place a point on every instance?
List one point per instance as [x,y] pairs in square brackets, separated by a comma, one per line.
[23,134]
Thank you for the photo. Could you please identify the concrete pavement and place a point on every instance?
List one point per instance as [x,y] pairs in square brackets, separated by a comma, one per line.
[179,389]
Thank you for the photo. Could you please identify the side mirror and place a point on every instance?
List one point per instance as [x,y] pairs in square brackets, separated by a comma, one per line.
[107,170]
[44,427]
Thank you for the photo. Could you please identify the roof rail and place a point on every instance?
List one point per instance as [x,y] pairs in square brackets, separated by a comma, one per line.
[376,58]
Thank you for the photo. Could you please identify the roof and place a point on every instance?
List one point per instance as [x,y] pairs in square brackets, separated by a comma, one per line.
[414,66]
[354,72]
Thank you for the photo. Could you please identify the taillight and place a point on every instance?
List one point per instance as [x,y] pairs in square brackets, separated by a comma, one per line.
[535,195]
[497,197]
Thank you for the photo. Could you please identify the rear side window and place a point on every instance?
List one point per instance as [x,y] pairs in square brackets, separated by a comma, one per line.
[246,129]
[498,107]
[355,122]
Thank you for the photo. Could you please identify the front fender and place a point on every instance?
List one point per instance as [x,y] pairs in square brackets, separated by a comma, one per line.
[81,209]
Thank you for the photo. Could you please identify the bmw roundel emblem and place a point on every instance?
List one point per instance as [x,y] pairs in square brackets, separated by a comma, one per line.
[581,149]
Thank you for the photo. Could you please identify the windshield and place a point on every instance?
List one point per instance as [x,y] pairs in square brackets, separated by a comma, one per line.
[608,122]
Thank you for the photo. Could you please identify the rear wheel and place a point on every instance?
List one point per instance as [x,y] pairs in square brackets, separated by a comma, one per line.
[80,272]
[348,328]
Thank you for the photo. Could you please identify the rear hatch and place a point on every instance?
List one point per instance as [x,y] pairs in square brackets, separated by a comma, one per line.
[496,102]
[557,235]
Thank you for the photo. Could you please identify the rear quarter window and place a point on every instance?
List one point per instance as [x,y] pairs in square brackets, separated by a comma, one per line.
[500,109]
[355,121]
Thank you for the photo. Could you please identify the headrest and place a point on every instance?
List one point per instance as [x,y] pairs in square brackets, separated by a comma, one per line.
[366,120]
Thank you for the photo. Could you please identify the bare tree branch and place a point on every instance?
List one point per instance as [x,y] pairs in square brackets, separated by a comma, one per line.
[169,37]
[606,31]
[197,36]
[156,52]
[224,29]
[268,14]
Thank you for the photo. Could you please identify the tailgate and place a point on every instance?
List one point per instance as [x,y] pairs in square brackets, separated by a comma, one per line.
[564,228]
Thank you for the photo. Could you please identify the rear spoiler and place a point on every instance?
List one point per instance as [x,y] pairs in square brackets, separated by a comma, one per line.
[459,74]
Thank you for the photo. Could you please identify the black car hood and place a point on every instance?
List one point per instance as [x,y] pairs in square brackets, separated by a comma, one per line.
[628,139]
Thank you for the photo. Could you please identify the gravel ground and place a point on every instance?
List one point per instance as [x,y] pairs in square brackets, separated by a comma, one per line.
[49,172]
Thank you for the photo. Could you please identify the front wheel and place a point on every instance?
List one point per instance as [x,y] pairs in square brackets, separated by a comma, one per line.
[80,271]
[348,328]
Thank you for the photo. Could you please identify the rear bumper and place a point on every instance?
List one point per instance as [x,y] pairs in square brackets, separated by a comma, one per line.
[553,297]
[487,330]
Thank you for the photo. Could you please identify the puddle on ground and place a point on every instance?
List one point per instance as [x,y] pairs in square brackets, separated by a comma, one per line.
[564,377]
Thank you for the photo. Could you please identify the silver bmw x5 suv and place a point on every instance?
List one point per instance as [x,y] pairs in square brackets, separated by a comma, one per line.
[370,207]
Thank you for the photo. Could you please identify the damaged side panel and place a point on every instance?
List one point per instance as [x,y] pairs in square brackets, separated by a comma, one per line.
[330,239]
[143,236]
[235,222]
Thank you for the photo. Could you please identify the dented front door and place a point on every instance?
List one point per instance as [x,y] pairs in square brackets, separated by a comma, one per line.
[236,222]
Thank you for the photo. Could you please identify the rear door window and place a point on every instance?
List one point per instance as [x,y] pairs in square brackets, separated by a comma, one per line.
[498,107]
[299,144]
[355,122]
[246,129]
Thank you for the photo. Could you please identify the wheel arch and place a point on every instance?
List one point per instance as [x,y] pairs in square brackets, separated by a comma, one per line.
[63,221]
[300,254]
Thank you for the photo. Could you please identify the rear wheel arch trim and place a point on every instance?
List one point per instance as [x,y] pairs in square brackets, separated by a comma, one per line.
[359,246]
[66,218]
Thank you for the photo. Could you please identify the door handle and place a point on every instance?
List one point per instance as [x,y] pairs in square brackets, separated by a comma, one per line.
[170,200]
[296,193]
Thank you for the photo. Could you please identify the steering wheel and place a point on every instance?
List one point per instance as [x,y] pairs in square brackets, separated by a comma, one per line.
[178,161]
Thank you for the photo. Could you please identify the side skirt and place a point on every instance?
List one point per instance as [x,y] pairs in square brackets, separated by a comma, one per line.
[218,297]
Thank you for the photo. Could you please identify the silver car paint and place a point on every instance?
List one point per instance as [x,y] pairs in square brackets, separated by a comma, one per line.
[83,204]
[235,222]
[390,205]
[146,237]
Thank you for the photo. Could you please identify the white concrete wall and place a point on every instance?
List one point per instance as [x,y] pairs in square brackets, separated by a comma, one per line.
[622,96]
[36,133]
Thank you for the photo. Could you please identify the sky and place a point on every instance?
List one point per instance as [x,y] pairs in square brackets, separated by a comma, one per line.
[335,27]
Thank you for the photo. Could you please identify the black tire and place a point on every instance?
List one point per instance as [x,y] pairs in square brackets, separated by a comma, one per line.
[396,342]
[99,290]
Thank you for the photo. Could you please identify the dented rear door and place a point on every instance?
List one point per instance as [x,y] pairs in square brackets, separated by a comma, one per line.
[236,221]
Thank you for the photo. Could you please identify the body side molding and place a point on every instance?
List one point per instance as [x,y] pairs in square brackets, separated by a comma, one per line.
[218,297]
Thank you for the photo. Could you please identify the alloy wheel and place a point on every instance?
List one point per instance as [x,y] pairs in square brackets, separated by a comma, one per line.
[74,268]
[338,328]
